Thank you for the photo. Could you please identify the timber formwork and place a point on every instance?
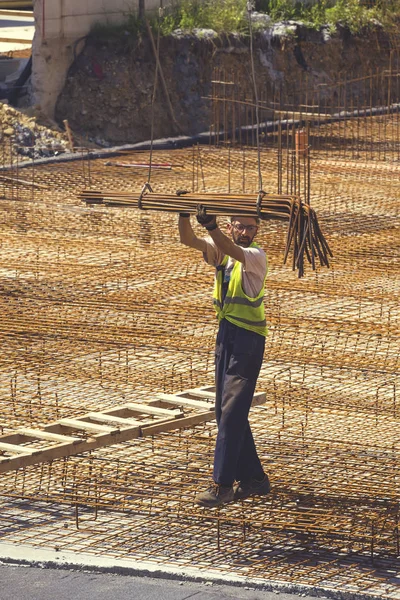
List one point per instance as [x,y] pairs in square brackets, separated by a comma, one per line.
[102,306]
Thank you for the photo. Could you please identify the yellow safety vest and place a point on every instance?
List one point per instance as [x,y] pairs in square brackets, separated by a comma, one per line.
[238,308]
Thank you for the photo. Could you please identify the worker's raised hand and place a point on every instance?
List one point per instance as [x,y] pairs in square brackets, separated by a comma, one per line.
[203,218]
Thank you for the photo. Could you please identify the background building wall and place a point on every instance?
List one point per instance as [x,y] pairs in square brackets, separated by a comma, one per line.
[70,18]
[59,24]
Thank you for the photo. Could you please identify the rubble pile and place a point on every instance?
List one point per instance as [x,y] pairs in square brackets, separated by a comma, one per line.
[27,134]
[36,143]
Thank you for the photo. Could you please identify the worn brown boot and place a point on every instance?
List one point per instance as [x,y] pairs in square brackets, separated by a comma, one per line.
[244,489]
[215,495]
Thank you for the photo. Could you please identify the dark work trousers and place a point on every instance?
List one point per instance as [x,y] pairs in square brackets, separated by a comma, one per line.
[238,358]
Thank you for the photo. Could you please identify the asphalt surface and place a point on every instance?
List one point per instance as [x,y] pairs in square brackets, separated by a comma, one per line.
[19,582]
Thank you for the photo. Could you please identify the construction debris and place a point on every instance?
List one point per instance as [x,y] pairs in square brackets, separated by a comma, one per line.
[23,135]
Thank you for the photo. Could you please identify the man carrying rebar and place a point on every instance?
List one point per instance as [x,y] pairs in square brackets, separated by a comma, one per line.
[241,269]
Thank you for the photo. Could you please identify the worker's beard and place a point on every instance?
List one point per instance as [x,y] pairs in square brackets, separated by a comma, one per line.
[241,240]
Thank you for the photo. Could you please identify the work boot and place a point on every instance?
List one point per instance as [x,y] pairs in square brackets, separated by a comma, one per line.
[215,495]
[254,487]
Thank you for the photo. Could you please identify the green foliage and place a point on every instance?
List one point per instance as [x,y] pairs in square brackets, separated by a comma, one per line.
[388,13]
[281,9]
[350,13]
[223,16]
[194,14]
[219,15]
[354,14]
[227,16]
[317,14]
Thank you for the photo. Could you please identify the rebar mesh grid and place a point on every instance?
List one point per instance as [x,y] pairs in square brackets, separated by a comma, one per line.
[102,305]
[340,111]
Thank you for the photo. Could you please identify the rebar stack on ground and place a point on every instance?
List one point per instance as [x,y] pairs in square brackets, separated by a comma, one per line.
[304,235]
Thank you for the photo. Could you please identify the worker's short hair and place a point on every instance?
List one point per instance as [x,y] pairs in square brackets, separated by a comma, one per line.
[234,217]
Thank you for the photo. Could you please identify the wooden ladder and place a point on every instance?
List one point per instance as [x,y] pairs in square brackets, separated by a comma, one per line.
[70,436]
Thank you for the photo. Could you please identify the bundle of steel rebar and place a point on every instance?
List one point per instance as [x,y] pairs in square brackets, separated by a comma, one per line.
[304,236]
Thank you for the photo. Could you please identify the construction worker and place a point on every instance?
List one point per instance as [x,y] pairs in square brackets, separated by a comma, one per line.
[241,268]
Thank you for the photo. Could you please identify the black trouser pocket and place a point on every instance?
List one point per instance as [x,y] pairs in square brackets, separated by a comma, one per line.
[247,354]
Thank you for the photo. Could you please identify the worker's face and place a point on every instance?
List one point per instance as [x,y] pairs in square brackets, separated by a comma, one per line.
[243,230]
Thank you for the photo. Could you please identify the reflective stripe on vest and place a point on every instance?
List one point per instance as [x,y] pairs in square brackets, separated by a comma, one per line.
[244,301]
[238,308]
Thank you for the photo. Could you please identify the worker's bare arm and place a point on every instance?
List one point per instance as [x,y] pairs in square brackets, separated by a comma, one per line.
[226,245]
[188,236]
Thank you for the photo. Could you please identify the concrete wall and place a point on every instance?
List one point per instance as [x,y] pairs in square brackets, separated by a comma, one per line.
[58,26]
[72,18]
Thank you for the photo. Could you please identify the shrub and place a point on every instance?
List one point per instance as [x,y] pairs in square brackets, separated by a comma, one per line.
[227,16]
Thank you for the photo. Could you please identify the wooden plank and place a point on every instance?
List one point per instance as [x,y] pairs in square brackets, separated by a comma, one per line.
[15,449]
[151,421]
[199,392]
[55,427]
[15,13]
[105,418]
[182,401]
[78,424]
[258,398]
[8,40]
[178,423]
[46,435]
[123,412]
[65,450]
[153,410]
[209,389]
